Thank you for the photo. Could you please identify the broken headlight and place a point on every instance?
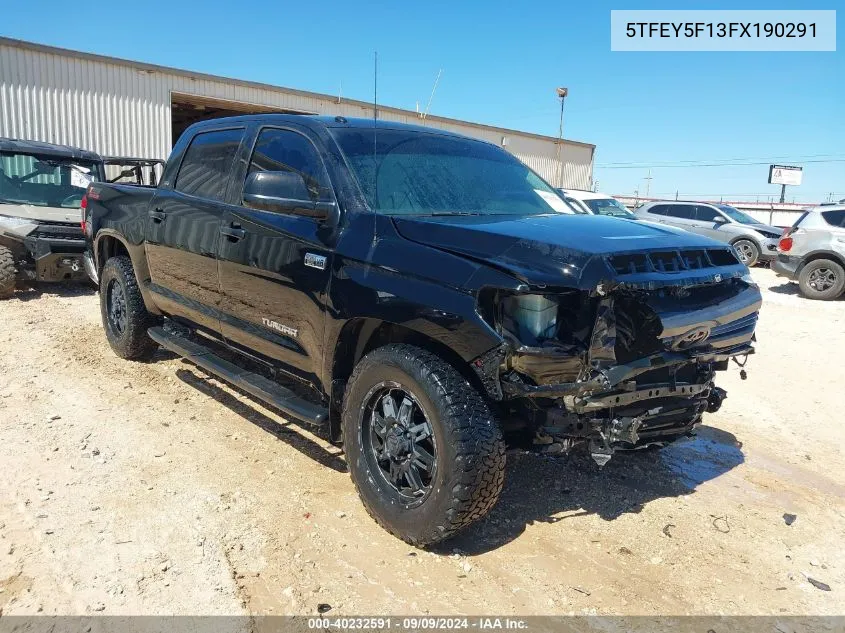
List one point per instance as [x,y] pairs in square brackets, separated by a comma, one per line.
[531,318]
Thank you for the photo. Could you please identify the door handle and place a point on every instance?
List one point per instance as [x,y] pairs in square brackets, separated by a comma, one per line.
[158,215]
[234,232]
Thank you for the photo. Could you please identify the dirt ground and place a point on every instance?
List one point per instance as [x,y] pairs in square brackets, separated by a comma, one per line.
[130,488]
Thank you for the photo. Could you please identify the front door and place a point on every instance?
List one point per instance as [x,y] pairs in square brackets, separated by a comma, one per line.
[183,229]
[275,267]
[706,216]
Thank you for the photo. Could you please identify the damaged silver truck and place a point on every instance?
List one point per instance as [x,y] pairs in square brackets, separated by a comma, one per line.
[424,296]
[41,189]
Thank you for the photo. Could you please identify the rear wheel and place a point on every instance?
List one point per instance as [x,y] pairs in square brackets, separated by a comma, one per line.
[748,251]
[125,318]
[822,279]
[8,273]
[423,449]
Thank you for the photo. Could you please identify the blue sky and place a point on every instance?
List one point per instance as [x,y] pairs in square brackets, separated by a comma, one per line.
[501,62]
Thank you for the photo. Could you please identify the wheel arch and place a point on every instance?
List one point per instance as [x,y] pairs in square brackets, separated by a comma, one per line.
[359,336]
[109,243]
[813,256]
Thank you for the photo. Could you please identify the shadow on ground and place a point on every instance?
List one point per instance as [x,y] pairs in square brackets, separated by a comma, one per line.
[285,431]
[539,488]
[551,489]
[27,291]
[786,289]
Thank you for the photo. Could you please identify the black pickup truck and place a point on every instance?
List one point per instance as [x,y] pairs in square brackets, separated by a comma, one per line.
[422,295]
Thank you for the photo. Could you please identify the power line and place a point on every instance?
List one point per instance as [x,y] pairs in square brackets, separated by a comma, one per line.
[713,160]
[721,164]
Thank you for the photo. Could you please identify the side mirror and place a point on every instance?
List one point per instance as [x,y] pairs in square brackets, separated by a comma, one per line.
[720,219]
[284,192]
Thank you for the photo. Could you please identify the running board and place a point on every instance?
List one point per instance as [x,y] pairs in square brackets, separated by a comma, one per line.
[262,388]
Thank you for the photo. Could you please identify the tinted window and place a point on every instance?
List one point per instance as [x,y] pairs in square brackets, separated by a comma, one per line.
[685,211]
[834,218]
[706,214]
[205,169]
[660,209]
[408,172]
[285,150]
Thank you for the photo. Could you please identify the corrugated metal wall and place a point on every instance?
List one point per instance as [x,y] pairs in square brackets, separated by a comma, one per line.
[120,108]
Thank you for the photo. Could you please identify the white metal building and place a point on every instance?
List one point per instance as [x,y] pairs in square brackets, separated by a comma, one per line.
[126,108]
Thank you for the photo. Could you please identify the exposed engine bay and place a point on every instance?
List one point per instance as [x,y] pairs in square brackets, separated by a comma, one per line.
[624,366]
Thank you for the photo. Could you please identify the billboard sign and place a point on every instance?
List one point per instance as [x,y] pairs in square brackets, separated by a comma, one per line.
[785,175]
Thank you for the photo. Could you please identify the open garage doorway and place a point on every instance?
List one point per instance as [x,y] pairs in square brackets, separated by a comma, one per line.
[186,110]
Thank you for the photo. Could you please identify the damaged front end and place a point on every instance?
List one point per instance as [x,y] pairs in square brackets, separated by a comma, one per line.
[629,362]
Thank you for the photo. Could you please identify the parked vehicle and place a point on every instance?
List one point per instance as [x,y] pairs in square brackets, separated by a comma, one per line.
[754,241]
[427,296]
[41,187]
[812,252]
[597,203]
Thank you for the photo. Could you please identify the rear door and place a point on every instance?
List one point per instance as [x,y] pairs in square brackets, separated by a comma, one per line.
[183,229]
[275,267]
[682,216]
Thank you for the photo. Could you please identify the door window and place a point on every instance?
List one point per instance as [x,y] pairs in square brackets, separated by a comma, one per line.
[285,150]
[207,164]
[706,214]
[683,211]
[659,209]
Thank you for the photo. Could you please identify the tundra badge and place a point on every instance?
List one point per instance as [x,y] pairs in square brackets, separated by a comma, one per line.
[315,261]
[284,329]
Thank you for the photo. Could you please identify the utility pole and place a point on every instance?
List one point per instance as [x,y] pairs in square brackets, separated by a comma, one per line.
[647,183]
[561,92]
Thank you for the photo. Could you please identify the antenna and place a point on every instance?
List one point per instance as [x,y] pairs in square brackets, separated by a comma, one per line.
[375,141]
[433,90]
[375,87]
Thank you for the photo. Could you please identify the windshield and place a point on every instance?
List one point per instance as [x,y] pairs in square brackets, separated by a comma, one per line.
[45,181]
[737,215]
[577,205]
[609,206]
[407,172]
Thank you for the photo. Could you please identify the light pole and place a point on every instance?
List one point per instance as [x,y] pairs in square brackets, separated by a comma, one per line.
[562,93]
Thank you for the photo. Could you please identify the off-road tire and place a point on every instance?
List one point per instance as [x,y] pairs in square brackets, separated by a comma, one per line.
[8,273]
[749,246]
[133,343]
[824,295]
[470,455]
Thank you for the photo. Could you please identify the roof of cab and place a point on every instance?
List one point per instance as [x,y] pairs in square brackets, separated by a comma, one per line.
[46,149]
[312,120]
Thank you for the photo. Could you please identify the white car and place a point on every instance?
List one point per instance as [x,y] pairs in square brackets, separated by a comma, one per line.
[596,203]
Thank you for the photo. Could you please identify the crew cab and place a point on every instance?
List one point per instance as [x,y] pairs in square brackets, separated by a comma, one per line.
[421,295]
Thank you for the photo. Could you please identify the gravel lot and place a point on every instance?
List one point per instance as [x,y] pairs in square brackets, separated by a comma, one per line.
[131,488]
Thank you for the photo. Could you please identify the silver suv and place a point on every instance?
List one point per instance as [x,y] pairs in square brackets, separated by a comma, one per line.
[812,252]
[753,240]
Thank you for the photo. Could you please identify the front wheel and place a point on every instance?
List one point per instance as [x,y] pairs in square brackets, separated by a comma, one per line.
[422,446]
[8,273]
[748,252]
[125,318]
[822,279]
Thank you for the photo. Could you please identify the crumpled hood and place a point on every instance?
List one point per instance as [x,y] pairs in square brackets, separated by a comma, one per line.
[570,250]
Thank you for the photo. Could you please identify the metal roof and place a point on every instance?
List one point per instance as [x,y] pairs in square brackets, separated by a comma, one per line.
[46,149]
[153,68]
